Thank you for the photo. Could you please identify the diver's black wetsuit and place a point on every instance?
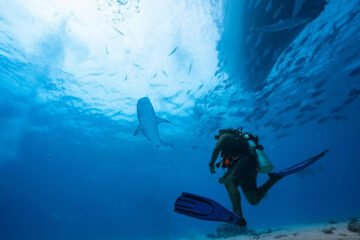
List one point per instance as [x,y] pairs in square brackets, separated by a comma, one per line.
[243,166]
[241,172]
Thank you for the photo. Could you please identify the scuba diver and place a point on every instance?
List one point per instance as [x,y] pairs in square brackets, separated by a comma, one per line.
[243,157]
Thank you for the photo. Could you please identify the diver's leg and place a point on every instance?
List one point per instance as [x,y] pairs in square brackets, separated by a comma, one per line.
[235,199]
[234,195]
[253,194]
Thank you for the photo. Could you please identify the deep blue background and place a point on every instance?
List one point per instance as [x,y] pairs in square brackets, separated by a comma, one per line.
[82,181]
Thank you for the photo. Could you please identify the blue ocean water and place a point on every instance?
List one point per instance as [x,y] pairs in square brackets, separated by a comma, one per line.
[71,73]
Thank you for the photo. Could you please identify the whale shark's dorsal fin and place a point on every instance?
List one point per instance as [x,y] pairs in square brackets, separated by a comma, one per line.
[161,120]
[138,129]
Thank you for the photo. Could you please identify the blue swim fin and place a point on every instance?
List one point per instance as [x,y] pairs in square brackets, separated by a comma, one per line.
[206,209]
[300,166]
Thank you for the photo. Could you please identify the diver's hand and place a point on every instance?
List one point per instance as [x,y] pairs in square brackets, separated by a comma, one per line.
[212,169]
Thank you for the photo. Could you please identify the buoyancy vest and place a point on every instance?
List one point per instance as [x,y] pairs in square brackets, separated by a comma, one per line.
[235,147]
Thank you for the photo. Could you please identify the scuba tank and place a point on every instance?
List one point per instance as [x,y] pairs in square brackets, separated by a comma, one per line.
[265,166]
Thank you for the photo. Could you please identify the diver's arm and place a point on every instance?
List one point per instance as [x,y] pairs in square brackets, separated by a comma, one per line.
[217,149]
[215,155]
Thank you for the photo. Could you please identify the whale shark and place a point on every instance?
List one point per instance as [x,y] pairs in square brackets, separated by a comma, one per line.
[148,123]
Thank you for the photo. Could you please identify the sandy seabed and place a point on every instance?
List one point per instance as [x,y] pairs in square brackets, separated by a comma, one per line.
[330,231]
